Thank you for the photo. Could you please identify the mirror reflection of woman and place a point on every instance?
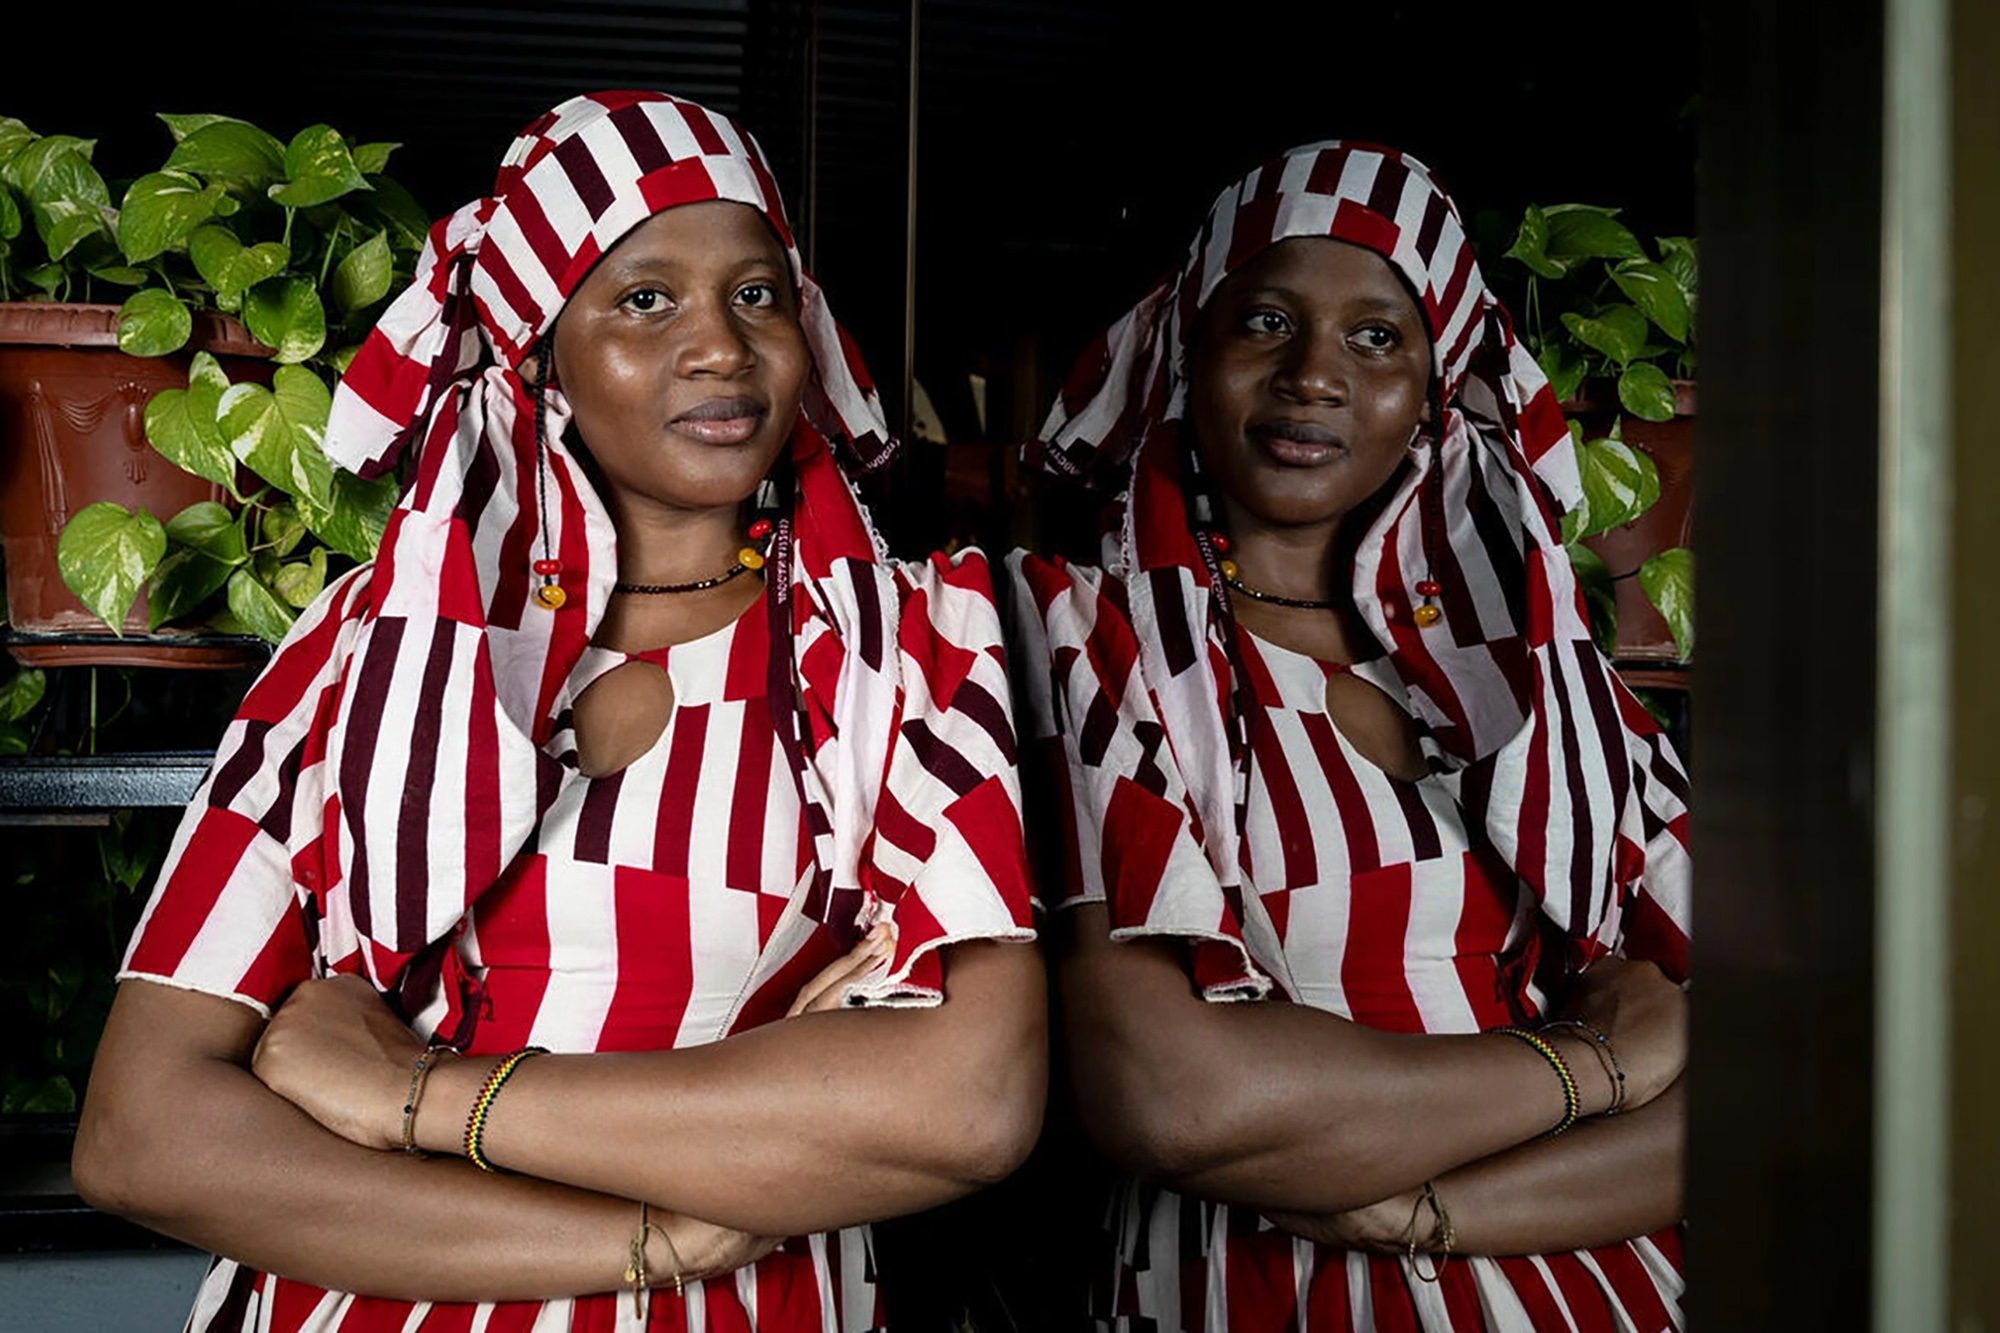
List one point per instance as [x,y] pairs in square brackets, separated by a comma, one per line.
[1377,881]
[610,899]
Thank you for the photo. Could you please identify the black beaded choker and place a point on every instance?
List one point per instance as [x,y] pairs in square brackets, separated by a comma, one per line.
[1273,598]
[648,589]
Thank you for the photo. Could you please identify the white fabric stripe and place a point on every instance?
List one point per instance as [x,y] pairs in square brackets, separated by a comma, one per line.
[1437,904]
[581,911]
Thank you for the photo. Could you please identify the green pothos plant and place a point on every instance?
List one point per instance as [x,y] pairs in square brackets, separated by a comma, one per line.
[303,241]
[1597,304]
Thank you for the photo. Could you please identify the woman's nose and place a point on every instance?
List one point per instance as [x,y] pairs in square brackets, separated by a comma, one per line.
[1314,369]
[712,342]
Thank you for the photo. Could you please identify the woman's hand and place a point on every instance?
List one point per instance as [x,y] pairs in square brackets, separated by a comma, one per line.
[1645,1017]
[824,991]
[339,1054]
[706,1251]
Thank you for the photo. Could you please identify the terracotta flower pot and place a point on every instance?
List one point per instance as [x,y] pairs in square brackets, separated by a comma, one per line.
[72,433]
[1642,632]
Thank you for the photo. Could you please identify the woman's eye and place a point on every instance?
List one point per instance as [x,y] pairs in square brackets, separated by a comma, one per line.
[758,295]
[1266,321]
[646,300]
[1376,338]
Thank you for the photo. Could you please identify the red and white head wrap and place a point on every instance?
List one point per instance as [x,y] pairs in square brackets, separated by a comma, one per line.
[444,688]
[1545,747]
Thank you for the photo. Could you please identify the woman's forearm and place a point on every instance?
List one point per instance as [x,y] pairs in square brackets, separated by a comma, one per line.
[820,1121]
[1282,1106]
[178,1135]
[1605,1181]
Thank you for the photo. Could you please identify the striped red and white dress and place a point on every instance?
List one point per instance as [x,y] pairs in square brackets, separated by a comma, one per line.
[1387,910]
[643,915]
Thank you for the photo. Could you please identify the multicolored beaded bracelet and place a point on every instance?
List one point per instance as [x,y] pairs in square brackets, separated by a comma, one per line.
[1572,1102]
[482,1105]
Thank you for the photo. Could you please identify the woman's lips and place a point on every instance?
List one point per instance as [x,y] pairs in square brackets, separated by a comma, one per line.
[1296,443]
[721,420]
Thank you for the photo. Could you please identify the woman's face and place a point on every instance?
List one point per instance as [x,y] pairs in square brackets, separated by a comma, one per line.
[1310,371]
[682,357]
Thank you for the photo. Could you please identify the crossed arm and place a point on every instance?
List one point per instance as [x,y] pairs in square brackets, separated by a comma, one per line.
[1329,1127]
[822,1120]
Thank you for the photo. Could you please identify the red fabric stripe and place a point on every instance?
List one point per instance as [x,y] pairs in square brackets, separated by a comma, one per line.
[751,801]
[540,234]
[1633,1287]
[703,129]
[1357,820]
[283,962]
[190,895]
[1360,225]
[897,825]
[1139,833]
[1486,914]
[1257,1278]
[943,663]
[1581,1294]
[675,826]
[1389,1296]
[655,962]
[1371,970]
[988,820]
[1535,1295]
[513,926]
[1328,1308]
[1288,810]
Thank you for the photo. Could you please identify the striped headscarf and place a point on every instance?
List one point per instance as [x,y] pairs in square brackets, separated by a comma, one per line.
[1545,749]
[441,687]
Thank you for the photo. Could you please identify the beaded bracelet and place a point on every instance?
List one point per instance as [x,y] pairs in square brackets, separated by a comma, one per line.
[1442,1239]
[482,1105]
[420,1073]
[1607,1056]
[1572,1103]
[637,1273]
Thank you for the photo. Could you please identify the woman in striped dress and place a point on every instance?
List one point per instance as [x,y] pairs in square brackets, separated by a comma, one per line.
[632,746]
[1327,727]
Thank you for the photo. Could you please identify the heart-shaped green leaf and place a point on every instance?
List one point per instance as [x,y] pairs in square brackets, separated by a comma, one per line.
[175,427]
[353,524]
[285,314]
[373,158]
[106,554]
[277,432]
[31,159]
[1579,232]
[1678,257]
[69,200]
[1668,581]
[283,529]
[10,214]
[230,266]
[184,580]
[1654,290]
[14,136]
[318,169]
[299,581]
[1646,392]
[229,152]
[1564,368]
[161,211]
[123,275]
[362,278]
[396,208]
[1531,244]
[1618,331]
[1600,596]
[153,322]
[20,692]
[256,608]
[1619,484]
[211,529]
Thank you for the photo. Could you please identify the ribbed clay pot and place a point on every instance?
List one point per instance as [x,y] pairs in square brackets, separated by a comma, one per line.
[1642,632]
[72,433]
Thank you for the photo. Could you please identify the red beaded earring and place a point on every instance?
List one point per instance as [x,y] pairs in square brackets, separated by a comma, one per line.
[550,595]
